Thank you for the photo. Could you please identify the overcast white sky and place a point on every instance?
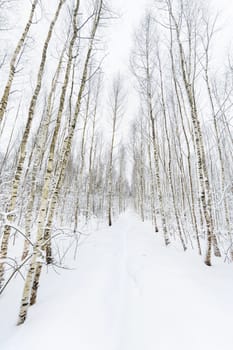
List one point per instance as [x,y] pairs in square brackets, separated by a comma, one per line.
[120,36]
[132,11]
[121,31]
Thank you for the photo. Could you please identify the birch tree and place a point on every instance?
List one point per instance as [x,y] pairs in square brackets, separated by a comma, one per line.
[116,112]
[14,59]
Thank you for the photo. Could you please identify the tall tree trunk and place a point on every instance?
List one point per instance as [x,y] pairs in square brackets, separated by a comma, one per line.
[23,145]
[13,62]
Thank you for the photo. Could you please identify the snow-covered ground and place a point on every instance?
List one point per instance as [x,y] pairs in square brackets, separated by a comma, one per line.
[127,292]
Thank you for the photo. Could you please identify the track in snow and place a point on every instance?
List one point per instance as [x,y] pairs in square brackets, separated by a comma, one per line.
[129,292]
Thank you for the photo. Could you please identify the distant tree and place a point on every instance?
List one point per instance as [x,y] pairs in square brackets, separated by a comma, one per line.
[117,99]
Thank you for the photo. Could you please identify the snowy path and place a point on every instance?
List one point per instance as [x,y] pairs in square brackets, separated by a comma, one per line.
[128,292]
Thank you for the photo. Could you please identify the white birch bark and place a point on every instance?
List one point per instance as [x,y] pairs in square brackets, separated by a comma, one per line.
[6,93]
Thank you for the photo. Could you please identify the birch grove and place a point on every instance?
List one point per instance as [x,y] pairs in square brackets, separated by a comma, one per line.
[180,124]
[72,152]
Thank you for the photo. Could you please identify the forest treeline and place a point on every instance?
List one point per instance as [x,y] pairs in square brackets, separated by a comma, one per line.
[62,164]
